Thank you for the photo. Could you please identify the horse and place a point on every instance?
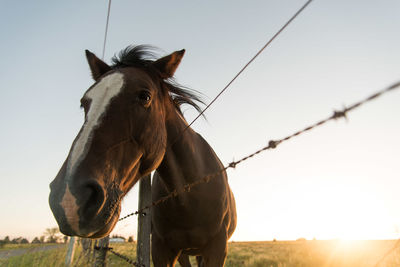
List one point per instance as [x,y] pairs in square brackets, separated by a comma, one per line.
[134,125]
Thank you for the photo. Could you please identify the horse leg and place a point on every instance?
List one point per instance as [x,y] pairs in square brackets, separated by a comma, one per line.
[214,253]
[161,254]
[184,260]
[199,260]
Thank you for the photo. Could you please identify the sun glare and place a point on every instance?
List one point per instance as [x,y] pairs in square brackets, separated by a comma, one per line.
[333,210]
[351,214]
[338,212]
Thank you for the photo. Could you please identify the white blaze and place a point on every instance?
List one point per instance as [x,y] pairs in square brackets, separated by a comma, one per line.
[100,97]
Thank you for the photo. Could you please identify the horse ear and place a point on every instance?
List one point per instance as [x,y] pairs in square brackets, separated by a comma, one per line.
[167,65]
[97,66]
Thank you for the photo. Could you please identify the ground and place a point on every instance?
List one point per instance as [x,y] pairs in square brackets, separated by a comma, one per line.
[303,253]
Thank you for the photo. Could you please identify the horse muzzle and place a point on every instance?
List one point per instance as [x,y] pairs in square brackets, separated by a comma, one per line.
[85,210]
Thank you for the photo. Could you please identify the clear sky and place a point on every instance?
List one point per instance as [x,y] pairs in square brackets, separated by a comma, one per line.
[339,181]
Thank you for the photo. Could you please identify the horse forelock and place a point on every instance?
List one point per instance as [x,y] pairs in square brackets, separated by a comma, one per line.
[99,96]
[143,57]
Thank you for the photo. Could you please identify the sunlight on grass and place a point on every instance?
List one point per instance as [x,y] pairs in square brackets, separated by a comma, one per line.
[316,253]
[53,257]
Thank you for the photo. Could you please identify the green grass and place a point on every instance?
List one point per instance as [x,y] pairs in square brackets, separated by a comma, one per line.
[247,254]
[18,246]
[312,253]
[54,257]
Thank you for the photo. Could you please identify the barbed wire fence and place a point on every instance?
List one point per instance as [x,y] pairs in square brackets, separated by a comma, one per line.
[188,187]
[271,144]
[119,255]
[390,251]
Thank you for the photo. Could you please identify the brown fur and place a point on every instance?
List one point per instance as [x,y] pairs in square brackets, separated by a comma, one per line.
[142,131]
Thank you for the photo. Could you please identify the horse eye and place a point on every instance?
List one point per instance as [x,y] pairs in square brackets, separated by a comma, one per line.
[144,97]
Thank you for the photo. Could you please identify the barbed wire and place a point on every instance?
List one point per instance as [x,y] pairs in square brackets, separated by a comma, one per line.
[106,30]
[272,144]
[390,251]
[244,68]
[125,258]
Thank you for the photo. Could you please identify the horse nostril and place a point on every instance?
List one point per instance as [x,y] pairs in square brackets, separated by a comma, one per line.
[93,201]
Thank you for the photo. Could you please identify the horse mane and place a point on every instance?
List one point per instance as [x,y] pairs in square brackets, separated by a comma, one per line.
[143,56]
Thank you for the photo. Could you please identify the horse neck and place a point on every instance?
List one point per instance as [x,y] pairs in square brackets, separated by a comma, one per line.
[179,163]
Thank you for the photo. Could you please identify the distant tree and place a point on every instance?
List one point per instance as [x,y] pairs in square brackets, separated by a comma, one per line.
[118,236]
[52,234]
[36,241]
[274,240]
[301,239]
[6,240]
[19,240]
[52,239]
[15,240]
[42,238]
[130,239]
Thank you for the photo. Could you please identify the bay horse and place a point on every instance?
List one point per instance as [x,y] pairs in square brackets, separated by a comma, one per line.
[133,126]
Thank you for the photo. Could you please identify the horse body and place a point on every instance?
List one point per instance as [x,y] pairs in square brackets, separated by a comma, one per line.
[201,221]
[133,125]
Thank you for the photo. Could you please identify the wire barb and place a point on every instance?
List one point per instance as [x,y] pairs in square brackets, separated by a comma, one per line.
[339,114]
[232,165]
[273,144]
[186,188]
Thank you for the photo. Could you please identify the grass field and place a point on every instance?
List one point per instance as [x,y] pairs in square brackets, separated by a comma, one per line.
[248,254]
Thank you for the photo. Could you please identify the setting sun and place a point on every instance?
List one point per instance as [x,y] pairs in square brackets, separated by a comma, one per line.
[348,214]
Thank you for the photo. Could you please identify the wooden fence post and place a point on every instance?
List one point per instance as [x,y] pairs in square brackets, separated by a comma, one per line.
[101,252]
[70,251]
[144,223]
[96,241]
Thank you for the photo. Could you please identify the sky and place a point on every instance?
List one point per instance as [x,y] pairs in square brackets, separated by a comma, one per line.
[341,180]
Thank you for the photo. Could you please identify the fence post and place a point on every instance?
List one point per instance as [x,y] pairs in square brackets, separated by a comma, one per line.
[87,246]
[70,251]
[144,223]
[96,241]
[101,252]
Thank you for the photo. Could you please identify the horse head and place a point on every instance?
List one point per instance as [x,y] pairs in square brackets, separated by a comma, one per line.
[123,138]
